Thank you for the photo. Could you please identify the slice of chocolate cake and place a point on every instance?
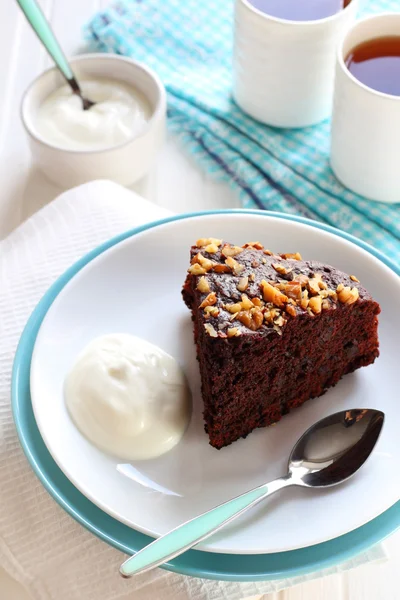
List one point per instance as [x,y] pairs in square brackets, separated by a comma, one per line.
[271,332]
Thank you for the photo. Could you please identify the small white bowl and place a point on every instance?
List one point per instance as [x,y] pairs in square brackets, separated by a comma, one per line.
[125,163]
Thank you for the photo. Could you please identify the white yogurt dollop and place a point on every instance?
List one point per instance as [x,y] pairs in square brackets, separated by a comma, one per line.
[128,397]
[121,112]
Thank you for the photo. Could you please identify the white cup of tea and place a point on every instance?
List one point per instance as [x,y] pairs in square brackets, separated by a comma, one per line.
[283,70]
[365,138]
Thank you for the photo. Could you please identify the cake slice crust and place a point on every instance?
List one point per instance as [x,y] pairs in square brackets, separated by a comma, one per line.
[271,331]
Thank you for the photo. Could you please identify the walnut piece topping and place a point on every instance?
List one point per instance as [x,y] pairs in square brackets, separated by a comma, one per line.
[280,321]
[210,330]
[281,269]
[196,269]
[202,285]
[292,289]
[272,294]
[228,250]
[295,256]
[218,268]
[340,287]
[252,277]
[206,241]
[233,332]
[315,304]
[206,263]
[326,304]
[211,248]
[315,284]
[233,264]
[233,308]
[348,295]
[256,245]
[211,310]
[268,252]
[245,304]
[354,278]
[290,309]
[257,302]
[253,319]
[209,300]
[243,284]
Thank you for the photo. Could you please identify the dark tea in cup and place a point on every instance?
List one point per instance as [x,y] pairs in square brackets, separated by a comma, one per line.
[300,10]
[376,63]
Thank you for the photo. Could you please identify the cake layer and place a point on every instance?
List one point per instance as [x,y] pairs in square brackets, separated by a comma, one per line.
[271,332]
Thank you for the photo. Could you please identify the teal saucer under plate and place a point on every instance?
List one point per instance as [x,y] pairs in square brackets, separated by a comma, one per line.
[195,563]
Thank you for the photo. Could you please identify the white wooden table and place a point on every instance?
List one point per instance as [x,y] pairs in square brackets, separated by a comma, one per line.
[176,183]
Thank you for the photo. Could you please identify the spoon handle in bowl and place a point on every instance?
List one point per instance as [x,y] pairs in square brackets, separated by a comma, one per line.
[44,32]
[196,530]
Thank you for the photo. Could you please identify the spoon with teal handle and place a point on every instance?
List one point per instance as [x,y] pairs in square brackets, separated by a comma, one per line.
[328,453]
[44,32]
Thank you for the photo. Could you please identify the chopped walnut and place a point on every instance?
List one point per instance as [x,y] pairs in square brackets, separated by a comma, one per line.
[210,330]
[211,248]
[233,308]
[348,295]
[326,304]
[206,263]
[280,321]
[256,245]
[209,300]
[295,256]
[257,302]
[253,319]
[272,294]
[202,285]
[290,309]
[228,250]
[252,277]
[196,269]
[292,289]
[211,310]
[233,332]
[206,241]
[233,264]
[340,287]
[246,302]
[281,269]
[268,252]
[301,279]
[315,304]
[315,284]
[354,278]
[243,284]
[264,261]
[218,268]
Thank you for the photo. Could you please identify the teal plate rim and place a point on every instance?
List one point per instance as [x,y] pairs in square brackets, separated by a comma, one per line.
[229,567]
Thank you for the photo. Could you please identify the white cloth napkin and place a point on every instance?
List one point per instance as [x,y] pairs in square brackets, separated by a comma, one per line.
[41,546]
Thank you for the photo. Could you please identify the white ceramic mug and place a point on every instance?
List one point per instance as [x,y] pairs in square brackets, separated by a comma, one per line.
[365,139]
[284,70]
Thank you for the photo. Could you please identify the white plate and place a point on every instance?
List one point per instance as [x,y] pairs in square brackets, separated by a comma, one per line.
[135,287]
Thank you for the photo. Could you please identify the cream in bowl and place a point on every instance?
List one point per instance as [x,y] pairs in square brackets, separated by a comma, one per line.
[118,138]
[120,112]
[128,397]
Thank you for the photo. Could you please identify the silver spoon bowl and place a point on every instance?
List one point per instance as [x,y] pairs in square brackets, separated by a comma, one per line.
[327,454]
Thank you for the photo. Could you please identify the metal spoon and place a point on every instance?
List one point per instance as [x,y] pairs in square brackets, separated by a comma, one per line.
[43,30]
[328,453]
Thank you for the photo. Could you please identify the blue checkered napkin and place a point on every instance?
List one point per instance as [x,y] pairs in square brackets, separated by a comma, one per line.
[189,44]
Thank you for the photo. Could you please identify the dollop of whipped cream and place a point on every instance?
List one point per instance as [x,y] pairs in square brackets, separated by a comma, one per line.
[128,397]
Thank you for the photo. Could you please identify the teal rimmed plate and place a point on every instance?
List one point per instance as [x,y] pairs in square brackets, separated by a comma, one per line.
[238,565]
